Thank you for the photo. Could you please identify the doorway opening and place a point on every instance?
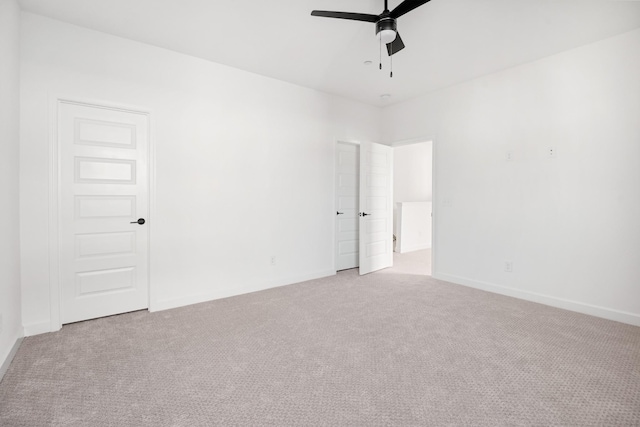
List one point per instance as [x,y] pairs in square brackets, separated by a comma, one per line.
[413,206]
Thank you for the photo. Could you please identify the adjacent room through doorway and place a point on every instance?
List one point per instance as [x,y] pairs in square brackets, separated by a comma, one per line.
[413,206]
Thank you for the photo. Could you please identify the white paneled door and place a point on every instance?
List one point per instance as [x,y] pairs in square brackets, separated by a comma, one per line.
[347,193]
[376,207]
[103,211]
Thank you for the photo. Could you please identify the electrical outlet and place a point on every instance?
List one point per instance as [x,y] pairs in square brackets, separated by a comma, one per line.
[508,266]
[273,260]
[509,156]
[551,152]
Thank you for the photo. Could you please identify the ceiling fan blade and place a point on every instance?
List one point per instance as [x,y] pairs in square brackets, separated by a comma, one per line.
[346,15]
[406,6]
[395,46]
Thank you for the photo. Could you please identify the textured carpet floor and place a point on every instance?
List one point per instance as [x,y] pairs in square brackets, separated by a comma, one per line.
[383,349]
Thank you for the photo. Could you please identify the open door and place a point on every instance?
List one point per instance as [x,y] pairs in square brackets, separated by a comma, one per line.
[376,207]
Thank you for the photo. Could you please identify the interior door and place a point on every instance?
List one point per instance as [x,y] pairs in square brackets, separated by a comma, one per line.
[347,194]
[376,207]
[103,211]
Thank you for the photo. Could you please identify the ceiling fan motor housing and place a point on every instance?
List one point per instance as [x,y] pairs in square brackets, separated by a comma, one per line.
[386,24]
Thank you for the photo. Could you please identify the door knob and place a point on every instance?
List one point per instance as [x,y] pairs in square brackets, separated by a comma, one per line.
[139,221]
[364,214]
[339,213]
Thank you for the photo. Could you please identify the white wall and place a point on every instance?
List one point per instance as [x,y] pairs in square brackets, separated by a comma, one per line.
[412,172]
[244,164]
[412,176]
[569,224]
[413,228]
[11,323]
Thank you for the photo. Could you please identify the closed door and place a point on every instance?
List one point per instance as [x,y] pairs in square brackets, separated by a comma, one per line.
[376,207]
[347,193]
[103,193]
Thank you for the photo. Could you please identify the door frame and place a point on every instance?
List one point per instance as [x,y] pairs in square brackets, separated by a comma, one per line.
[434,191]
[55,193]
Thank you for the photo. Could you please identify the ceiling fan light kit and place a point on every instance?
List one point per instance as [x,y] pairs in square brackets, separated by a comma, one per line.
[386,30]
[386,25]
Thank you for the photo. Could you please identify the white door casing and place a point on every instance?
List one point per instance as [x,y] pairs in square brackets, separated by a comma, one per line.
[347,194]
[376,207]
[103,187]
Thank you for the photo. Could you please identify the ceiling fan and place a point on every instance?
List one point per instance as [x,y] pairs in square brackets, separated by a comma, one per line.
[386,27]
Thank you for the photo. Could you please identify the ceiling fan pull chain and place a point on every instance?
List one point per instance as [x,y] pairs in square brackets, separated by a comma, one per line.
[381,53]
[391,67]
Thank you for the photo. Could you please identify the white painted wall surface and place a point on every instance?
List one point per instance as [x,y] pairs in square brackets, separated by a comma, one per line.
[244,164]
[413,229]
[569,224]
[412,176]
[11,323]
[412,172]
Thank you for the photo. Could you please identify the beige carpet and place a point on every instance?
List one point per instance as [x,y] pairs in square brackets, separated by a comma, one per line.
[383,349]
[416,262]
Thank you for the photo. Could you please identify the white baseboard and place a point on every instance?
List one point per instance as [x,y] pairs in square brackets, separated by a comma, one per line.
[166,304]
[37,328]
[580,307]
[7,361]
[302,278]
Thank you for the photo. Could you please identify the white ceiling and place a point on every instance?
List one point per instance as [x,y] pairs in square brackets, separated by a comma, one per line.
[448,41]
